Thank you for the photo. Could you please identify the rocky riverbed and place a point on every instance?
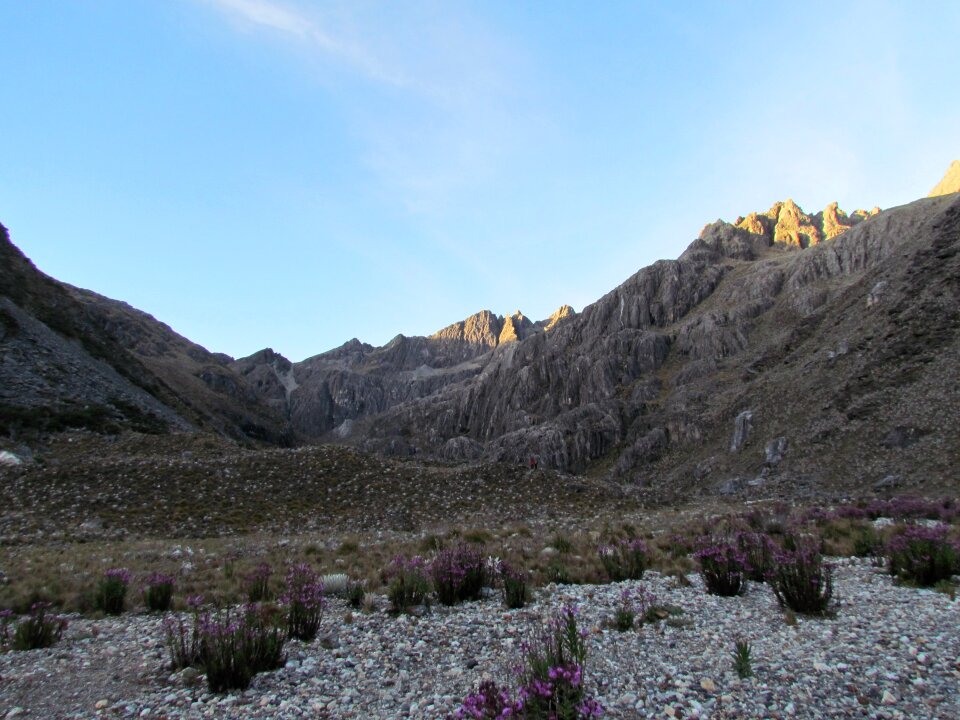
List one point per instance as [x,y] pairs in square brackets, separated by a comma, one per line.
[889,652]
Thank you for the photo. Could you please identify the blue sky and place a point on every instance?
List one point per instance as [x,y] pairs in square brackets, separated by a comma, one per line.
[293,174]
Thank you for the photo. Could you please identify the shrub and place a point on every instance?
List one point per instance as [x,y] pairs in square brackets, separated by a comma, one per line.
[557,572]
[158,592]
[800,579]
[336,584]
[183,642]
[355,593]
[229,647]
[867,542]
[458,574]
[625,614]
[38,630]
[723,567]
[235,648]
[742,658]
[923,555]
[257,583]
[304,602]
[553,679]
[409,584]
[112,590]
[624,559]
[516,591]
[758,550]
[561,543]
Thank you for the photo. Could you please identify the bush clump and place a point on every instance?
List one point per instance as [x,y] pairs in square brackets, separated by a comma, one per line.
[516,588]
[158,592]
[304,602]
[459,574]
[553,677]
[723,567]
[758,549]
[408,583]
[229,646]
[257,583]
[923,555]
[800,579]
[624,559]
[40,629]
[112,590]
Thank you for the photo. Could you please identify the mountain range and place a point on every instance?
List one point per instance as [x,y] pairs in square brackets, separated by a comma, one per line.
[783,349]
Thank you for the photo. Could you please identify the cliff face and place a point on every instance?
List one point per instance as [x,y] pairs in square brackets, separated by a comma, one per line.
[328,392]
[829,350]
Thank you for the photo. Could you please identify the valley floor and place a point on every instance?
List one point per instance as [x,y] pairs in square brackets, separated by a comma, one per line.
[890,652]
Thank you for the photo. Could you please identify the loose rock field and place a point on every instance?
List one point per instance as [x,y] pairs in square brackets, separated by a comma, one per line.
[890,652]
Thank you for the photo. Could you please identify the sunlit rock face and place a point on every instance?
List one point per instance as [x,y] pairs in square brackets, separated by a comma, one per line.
[950,183]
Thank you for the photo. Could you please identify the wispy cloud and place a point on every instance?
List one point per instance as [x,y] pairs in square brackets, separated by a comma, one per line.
[308,28]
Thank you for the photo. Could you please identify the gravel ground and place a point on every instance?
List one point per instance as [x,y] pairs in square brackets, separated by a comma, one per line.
[890,652]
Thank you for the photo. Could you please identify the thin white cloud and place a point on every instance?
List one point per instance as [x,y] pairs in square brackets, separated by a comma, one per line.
[306,28]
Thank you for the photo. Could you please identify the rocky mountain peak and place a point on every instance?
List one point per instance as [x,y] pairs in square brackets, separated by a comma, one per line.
[950,182]
[562,313]
[786,223]
[515,327]
[482,328]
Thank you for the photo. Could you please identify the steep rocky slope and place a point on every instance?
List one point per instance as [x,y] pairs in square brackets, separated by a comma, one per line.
[328,392]
[835,363]
[71,358]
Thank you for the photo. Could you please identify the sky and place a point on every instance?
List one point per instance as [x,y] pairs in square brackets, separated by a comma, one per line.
[293,174]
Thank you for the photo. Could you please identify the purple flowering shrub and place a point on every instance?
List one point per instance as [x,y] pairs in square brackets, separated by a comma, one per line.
[723,566]
[257,583]
[304,602]
[923,555]
[553,680]
[39,629]
[184,642]
[758,550]
[459,574]
[112,590]
[800,579]
[516,590]
[229,646]
[638,606]
[408,583]
[624,559]
[158,592]
[489,701]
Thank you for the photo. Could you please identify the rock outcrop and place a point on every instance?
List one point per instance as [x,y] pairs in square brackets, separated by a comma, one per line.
[950,183]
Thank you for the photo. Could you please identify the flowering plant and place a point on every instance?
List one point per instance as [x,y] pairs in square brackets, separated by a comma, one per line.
[112,590]
[723,566]
[624,559]
[800,579]
[409,584]
[459,574]
[553,679]
[516,590]
[39,629]
[923,555]
[158,591]
[257,583]
[304,602]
